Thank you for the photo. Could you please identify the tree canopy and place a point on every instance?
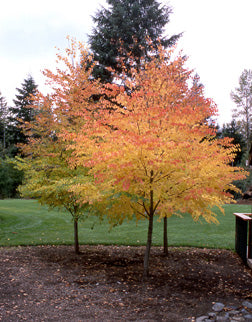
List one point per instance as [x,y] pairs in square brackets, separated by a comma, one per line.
[48,175]
[158,155]
[152,154]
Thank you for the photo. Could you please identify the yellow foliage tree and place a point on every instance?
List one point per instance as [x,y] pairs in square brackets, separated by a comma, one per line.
[151,153]
[48,176]
[158,155]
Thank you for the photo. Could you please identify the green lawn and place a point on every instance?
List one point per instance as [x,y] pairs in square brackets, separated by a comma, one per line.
[25,222]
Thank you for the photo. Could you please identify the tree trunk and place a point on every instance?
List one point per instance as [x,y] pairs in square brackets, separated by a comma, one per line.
[165,237]
[150,229]
[148,247]
[76,239]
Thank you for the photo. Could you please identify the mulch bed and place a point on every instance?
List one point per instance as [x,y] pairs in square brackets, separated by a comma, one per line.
[244,201]
[104,283]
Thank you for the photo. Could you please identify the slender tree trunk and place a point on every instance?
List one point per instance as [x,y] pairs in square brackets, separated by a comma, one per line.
[150,230]
[165,237]
[76,239]
[148,247]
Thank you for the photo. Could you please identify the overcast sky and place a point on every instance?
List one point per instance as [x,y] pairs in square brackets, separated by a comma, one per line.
[217,39]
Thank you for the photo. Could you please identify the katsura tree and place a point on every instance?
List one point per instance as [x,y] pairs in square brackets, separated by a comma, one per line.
[49,177]
[151,154]
[157,155]
[49,180]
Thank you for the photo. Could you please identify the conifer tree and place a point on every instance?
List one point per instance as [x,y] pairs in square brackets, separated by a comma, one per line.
[21,112]
[123,28]
[10,177]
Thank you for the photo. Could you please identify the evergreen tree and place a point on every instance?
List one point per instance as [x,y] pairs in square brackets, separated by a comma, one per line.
[123,28]
[242,96]
[10,178]
[21,112]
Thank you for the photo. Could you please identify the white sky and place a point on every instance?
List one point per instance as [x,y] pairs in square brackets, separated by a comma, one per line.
[217,39]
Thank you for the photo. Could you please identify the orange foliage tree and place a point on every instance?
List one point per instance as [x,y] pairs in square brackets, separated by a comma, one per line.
[157,155]
[48,176]
[151,153]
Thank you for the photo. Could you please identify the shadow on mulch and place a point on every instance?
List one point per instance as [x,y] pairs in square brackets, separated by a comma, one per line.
[104,283]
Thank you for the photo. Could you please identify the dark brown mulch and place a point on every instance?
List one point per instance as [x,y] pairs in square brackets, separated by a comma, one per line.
[104,283]
[244,201]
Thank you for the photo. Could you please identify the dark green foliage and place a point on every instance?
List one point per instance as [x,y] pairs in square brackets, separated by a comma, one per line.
[243,185]
[11,135]
[7,147]
[10,179]
[232,130]
[21,113]
[123,28]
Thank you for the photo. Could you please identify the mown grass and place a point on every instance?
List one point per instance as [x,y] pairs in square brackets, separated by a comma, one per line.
[25,222]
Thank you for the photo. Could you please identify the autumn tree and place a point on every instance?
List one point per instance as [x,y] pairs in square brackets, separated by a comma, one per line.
[48,175]
[123,27]
[49,179]
[242,97]
[151,154]
[157,156]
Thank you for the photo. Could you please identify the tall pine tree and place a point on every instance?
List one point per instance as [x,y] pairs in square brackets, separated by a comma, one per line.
[124,27]
[21,112]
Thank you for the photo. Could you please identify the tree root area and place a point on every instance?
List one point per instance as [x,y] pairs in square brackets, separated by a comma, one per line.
[104,283]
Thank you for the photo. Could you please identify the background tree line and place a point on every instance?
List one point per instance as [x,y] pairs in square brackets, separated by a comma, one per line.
[11,135]
[120,28]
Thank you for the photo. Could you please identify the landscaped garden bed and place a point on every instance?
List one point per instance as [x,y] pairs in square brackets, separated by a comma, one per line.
[104,283]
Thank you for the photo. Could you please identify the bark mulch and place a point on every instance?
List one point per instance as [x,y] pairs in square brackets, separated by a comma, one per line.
[104,283]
